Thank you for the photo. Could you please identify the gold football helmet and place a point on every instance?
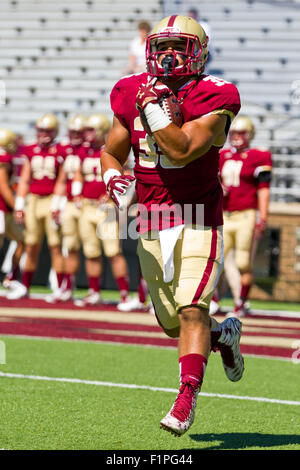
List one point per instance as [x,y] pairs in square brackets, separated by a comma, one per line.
[8,140]
[243,124]
[177,28]
[76,127]
[100,123]
[47,127]
[77,123]
[241,132]
[47,122]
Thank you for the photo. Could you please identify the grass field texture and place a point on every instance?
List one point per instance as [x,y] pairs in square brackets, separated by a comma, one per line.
[100,415]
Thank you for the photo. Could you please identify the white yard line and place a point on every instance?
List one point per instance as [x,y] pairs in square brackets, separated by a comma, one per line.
[143,387]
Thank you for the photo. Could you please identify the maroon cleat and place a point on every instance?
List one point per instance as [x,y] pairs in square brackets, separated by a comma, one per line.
[181,416]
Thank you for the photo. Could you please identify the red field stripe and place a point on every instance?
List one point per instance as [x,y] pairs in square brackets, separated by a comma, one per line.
[95,330]
[89,324]
[275,318]
[54,331]
[266,351]
[274,325]
[265,328]
[40,303]
[271,335]
[69,323]
[28,303]
[46,331]
[278,316]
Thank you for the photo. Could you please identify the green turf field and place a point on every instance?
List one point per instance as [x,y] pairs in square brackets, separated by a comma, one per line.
[44,414]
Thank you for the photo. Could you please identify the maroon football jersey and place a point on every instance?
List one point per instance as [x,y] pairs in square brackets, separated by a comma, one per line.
[71,164]
[240,175]
[158,181]
[93,185]
[13,164]
[17,161]
[45,163]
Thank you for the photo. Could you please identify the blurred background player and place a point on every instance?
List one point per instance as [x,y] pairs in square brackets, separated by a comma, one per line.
[195,14]
[65,212]
[37,181]
[245,176]
[98,225]
[10,166]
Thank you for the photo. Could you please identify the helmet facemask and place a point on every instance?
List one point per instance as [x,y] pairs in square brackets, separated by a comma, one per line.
[193,56]
[241,133]
[46,129]
[11,147]
[45,137]
[96,129]
[76,137]
[240,140]
[94,136]
[91,135]
[76,129]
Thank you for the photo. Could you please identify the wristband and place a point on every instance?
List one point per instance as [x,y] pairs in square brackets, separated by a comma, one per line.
[76,188]
[109,174]
[156,117]
[19,203]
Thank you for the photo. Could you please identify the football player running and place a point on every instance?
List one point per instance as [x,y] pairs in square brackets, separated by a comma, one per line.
[246,175]
[65,212]
[176,167]
[33,201]
[11,161]
[98,225]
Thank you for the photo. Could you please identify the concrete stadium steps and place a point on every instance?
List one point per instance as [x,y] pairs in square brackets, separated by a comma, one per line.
[65,57]
[107,12]
[257,39]
[76,5]
[39,38]
[67,34]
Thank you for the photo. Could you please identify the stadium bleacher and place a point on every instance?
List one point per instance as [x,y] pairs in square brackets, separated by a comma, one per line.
[64,57]
[256,46]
